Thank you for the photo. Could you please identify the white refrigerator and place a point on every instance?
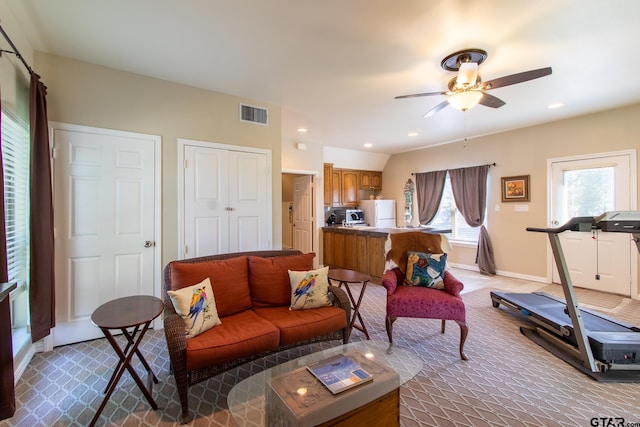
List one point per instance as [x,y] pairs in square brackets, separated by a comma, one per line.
[379,213]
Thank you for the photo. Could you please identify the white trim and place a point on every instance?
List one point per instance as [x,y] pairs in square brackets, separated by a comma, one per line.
[300,172]
[503,273]
[182,142]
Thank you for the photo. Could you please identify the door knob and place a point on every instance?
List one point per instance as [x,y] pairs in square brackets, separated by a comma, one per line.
[149,243]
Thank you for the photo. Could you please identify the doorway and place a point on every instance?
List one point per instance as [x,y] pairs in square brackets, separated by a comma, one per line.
[107,199]
[589,186]
[298,207]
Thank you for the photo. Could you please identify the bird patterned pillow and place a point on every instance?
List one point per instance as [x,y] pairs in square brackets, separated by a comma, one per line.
[309,289]
[197,307]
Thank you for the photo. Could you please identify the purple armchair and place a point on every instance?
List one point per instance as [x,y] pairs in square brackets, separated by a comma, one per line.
[425,303]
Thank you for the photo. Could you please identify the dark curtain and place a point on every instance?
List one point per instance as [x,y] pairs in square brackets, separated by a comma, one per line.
[429,189]
[7,392]
[469,186]
[42,282]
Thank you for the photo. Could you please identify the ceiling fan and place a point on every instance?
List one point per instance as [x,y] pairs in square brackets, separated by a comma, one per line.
[467,89]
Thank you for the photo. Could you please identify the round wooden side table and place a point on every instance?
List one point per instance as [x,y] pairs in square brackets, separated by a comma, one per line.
[135,312]
[345,278]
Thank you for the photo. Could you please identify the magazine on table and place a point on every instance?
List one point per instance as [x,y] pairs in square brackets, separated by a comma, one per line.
[339,373]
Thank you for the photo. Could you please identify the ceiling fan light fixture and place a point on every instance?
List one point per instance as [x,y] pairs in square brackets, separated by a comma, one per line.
[463,101]
[467,75]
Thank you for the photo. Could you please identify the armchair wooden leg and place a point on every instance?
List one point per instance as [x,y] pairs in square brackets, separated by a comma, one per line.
[389,325]
[464,330]
[442,329]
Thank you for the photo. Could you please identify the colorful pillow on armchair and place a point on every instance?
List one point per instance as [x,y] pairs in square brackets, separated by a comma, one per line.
[424,269]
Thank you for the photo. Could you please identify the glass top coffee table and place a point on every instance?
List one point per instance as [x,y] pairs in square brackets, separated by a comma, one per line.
[251,401]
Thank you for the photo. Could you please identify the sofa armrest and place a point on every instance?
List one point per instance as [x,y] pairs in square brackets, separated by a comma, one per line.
[391,279]
[176,341]
[452,285]
[341,300]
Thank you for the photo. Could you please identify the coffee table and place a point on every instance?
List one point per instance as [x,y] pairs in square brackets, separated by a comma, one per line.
[251,404]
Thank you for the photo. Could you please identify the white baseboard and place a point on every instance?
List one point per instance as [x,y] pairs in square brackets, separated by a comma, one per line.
[503,273]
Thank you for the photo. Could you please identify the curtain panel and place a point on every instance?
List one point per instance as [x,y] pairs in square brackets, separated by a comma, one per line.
[429,189]
[469,187]
[42,278]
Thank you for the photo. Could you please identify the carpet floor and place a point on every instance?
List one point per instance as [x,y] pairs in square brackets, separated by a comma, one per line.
[508,381]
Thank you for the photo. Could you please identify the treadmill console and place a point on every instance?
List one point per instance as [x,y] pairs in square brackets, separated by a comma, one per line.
[619,221]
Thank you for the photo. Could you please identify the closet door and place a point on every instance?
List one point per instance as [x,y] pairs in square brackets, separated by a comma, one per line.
[226,201]
[206,201]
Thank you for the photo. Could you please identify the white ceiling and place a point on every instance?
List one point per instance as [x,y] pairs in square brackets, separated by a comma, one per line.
[335,65]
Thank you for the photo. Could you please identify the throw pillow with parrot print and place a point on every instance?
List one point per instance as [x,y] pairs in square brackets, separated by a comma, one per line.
[197,307]
[309,289]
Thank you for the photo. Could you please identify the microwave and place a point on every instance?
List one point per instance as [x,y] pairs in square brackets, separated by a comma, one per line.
[354,216]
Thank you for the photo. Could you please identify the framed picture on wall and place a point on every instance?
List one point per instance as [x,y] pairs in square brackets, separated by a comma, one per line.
[515,188]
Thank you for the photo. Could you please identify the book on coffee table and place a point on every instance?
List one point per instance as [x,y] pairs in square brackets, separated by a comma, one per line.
[339,373]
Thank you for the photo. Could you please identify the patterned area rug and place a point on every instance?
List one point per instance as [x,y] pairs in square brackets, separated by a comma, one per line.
[508,380]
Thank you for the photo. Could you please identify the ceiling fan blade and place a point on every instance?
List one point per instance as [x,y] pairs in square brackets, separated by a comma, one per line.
[491,101]
[436,108]
[416,95]
[516,78]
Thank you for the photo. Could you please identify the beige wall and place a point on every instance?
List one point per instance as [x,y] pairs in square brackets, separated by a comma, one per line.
[520,152]
[91,95]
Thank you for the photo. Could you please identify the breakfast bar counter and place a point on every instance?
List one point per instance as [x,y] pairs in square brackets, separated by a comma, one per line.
[361,248]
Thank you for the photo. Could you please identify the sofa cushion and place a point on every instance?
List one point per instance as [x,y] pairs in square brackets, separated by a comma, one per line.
[229,280]
[240,335]
[424,269]
[269,278]
[298,325]
[309,289]
[197,307]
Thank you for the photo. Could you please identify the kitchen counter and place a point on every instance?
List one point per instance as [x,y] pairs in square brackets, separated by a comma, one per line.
[370,230]
[361,248]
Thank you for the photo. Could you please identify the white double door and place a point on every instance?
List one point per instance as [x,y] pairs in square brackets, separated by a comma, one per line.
[106,189]
[226,198]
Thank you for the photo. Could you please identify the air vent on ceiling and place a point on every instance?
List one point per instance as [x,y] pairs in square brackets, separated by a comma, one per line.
[251,114]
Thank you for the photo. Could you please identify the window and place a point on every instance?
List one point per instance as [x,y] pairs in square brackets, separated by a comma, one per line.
[448,216]
[15,157]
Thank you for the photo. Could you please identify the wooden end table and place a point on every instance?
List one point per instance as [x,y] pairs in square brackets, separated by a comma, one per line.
[346,277]
[135,312]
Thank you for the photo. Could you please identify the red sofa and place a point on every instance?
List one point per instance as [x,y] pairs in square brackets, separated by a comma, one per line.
[252,294]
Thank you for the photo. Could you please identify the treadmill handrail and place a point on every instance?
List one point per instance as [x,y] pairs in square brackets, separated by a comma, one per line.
[578,223]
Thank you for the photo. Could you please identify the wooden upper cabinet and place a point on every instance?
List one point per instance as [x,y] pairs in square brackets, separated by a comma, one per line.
[370,180]
[349,187]
[328,184]
[336,187]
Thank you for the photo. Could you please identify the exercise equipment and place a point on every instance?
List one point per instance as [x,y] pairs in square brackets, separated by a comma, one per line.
[602,347]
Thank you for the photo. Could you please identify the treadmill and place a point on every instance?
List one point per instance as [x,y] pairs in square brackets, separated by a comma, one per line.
[604,348]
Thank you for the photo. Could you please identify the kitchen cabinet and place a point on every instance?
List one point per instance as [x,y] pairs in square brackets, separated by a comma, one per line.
[357,250]
[328,184]
[370,180]
[344,188]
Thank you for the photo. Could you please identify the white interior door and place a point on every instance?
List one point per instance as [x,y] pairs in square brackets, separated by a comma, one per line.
[249,229]
[303,213]
[589,187]
[226,199]
[206,196]
[106,200]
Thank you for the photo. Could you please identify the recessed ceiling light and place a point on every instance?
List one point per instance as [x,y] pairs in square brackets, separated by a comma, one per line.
[368,145]
[302,129]
[412,134]
[555,105]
